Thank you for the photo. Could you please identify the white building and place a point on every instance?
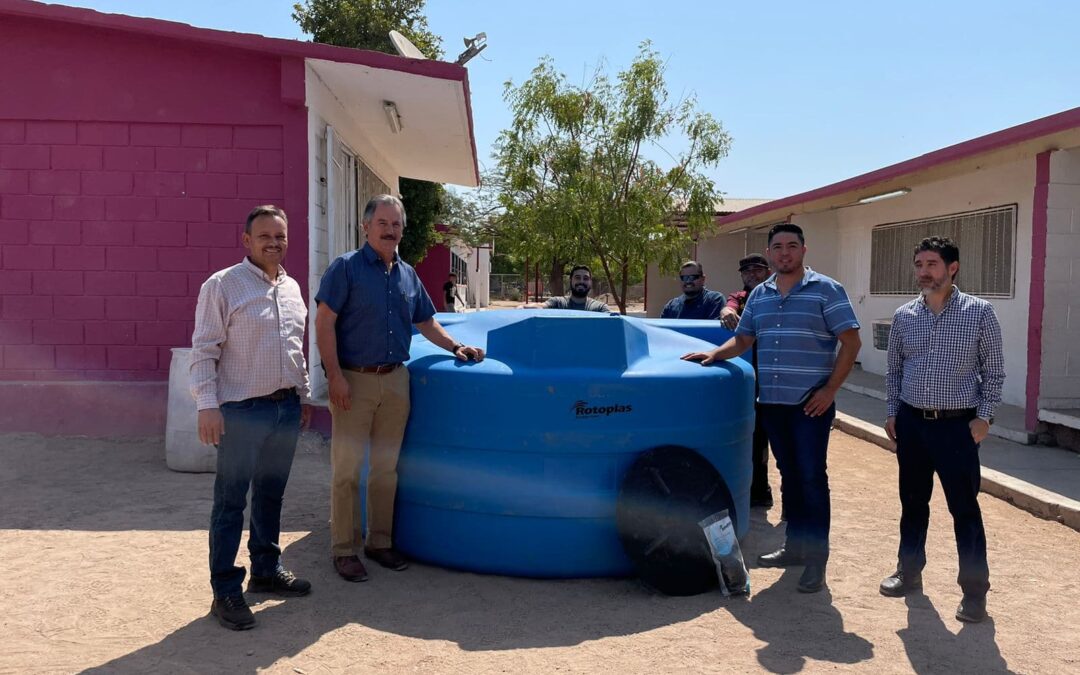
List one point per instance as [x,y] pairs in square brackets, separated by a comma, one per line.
[1011,200]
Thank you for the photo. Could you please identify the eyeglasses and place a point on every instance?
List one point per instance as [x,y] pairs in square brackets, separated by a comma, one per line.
[687,278]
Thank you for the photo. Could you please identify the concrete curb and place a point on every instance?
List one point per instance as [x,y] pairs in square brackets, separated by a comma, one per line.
[1031,498]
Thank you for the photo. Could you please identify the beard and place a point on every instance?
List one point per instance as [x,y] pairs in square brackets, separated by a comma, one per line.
[693,292]
[579,291]
[928,286]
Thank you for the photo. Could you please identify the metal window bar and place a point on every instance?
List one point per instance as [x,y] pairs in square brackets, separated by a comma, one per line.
[986,239]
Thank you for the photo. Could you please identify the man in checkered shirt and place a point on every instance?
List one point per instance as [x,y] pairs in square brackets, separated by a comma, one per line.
[945,372]
[250,384]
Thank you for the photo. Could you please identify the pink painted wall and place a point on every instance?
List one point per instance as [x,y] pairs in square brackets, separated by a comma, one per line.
[127,166]
[433,269]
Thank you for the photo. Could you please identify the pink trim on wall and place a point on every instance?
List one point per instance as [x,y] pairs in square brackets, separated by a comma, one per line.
[1045,126]
[1037,296]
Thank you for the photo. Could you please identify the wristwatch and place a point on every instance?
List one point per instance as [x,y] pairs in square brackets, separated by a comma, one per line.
[457,346]
[988,420]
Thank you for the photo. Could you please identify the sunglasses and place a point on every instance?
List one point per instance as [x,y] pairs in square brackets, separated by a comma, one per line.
[687,278]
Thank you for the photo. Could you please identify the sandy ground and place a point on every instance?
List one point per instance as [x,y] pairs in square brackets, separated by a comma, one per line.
[104,568]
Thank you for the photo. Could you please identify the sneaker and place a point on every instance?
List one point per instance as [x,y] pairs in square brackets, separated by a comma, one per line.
[387,557]
[233,612]
[283,583]
[350,568]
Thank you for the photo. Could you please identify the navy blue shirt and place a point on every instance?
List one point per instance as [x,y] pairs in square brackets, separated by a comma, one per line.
[705,306]
[376,307]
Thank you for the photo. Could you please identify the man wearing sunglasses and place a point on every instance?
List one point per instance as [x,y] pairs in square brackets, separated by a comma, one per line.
[696,302]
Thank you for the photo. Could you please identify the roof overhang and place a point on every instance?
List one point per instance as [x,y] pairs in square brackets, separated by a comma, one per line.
[434,141]
[1015,143]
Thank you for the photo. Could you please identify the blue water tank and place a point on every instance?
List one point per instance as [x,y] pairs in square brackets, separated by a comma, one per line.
[513,465]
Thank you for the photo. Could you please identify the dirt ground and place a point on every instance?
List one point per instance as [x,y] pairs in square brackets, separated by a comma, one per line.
[104,558]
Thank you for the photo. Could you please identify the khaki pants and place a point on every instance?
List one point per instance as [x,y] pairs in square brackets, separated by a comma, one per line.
[380,409]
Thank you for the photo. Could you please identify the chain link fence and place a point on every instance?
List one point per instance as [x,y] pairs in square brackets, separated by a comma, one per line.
[512,287]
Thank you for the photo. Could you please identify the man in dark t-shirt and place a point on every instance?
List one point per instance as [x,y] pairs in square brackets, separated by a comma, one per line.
[450,293]
[580,285]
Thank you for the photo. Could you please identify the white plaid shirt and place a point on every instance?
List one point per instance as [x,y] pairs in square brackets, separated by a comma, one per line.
[249,337]
[949,361]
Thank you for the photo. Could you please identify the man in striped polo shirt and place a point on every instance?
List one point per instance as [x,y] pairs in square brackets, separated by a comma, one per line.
[797,317]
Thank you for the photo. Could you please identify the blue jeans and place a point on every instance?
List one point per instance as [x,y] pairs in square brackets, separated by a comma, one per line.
[923,448]
[256,450]
[800,444]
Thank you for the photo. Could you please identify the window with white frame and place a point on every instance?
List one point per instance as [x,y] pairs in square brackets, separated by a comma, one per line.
[986,238]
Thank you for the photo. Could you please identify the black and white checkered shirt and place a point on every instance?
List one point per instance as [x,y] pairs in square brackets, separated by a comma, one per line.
[947,361]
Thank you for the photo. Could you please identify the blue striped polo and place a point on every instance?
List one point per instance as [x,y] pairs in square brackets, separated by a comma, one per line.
[796,335]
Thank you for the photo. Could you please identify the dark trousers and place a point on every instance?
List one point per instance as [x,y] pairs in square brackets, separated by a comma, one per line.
[759,485]
[946,447]
[256,451]
[800,444]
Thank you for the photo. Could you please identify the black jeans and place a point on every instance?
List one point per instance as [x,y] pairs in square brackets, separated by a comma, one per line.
[800,444]
[759,485]
[946,447]
[257,452]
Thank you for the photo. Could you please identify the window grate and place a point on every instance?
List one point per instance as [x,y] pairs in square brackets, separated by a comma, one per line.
[986,239]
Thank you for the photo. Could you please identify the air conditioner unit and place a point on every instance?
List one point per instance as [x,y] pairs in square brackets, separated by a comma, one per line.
[881,333]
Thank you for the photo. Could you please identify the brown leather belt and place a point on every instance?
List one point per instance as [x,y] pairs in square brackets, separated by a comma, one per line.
[377,370]
[969,413]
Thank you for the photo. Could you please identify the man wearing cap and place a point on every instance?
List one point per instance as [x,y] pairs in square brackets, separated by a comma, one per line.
[754,269]
[369,300]
[696,302]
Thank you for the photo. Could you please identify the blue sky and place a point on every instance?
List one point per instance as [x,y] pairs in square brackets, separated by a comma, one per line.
[811,92]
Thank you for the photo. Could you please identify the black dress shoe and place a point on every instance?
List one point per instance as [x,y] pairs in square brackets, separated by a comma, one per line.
[812,579]
[972,609]
[780,558]
[898,584]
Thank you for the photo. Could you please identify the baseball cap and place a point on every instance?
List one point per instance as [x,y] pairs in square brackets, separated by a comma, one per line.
[753,260]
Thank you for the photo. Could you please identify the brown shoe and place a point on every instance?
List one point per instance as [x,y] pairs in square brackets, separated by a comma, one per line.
[387,557]
[350,568]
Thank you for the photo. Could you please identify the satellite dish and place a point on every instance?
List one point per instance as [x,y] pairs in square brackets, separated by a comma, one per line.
[404,47]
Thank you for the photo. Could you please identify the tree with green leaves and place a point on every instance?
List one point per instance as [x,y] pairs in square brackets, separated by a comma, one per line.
[366,24]
[578,178]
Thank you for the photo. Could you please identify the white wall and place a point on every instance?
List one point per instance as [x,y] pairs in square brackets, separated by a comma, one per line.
[1009,183]
[324,108]
[1060,384]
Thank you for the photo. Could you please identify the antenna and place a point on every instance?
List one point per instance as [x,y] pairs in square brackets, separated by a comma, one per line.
[404,47]
[473,46]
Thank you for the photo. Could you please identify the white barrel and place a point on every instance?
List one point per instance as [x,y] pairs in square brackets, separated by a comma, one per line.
[183,451]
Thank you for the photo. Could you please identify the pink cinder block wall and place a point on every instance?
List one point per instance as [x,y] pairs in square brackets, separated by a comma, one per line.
[127,167]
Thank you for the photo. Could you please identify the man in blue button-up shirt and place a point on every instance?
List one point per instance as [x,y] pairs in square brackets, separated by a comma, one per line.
[369,300]
[797,317]
[945,373]
[696,302]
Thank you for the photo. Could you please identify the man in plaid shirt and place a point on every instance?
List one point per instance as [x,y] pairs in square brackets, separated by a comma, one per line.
[945,372]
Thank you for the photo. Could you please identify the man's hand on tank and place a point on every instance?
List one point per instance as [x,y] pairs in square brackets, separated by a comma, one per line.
[467,353]
[704,357]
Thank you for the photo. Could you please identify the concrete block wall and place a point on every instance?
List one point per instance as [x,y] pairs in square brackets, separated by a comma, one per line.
[1060,384]
[107,231]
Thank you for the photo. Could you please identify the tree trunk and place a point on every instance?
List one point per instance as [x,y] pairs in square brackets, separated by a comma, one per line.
[622,287]
[556,277]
